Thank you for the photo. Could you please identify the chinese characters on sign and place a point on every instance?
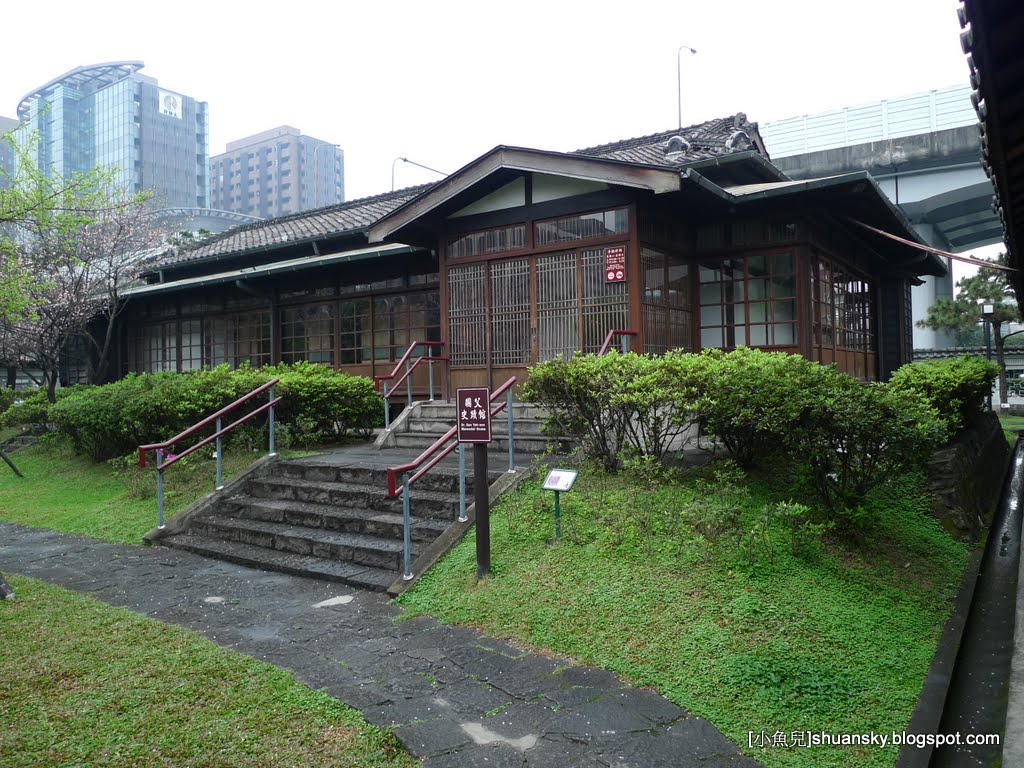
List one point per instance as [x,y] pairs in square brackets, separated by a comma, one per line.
[474,415]
[615,264]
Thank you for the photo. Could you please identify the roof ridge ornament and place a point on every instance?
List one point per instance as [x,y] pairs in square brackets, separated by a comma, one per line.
[676,145]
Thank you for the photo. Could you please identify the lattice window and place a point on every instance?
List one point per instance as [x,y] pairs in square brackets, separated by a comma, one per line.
[467,315]
[191,345]
[558,333]
[666,302]
[748,301]
[582,226]
[307,333]
[605,305]
[354,317]
[510,312]
[512,238]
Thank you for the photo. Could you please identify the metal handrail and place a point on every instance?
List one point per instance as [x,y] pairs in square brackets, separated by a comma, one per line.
[160,448]
[380,383]
[439,449]
[200,424]
[406,373]
[624,333]
[403,360]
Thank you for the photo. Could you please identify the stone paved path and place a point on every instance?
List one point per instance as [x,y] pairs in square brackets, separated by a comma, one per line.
[453,696]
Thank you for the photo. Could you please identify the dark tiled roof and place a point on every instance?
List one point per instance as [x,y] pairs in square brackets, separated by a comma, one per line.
[333,220]
[704,141]
[709,140]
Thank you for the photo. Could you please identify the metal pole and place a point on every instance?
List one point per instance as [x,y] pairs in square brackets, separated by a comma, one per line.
[273,447]
[625,343]
[387,408]
[483,511]
[679,78]
[159,489]
[558,519]
[988,353]
[511,436]
[430,372]
[220,474]
[408,383]
[407,527]
[463,517]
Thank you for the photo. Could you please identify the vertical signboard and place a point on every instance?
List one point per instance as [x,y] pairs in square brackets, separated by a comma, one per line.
[473,414]
[615,264]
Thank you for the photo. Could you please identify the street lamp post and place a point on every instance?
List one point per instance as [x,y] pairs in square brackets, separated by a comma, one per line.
[411,162]
[987,310]
[679,78]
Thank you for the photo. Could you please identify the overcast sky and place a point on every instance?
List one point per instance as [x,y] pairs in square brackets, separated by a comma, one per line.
[442,82]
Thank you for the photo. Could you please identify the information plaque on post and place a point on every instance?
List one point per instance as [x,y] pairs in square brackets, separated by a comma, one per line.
[473,415]
[473,425]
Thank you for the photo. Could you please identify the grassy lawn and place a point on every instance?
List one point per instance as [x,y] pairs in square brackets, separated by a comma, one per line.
[1011,426]
[114,688]
[67,492]
[836,639]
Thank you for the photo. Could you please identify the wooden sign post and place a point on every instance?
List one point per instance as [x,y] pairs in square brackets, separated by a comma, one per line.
[473,422]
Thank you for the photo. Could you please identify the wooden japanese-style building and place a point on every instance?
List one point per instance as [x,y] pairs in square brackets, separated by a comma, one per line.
[690,237]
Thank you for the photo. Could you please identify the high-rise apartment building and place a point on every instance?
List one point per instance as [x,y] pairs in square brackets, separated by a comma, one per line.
[7,125]
[277,172]
[109,115]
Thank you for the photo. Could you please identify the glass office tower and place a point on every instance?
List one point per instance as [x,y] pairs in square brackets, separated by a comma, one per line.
[109,115]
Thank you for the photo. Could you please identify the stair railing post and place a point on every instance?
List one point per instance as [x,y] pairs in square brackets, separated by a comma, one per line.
[430,372]
[407,526]
[511,437]
[408,382]
[463,517]
[159,489]
[220,464]
[387,408]
[625,343]
[273,446]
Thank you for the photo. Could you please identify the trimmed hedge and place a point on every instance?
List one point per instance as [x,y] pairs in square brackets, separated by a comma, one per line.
[845,437]
[114,419]
[956,387]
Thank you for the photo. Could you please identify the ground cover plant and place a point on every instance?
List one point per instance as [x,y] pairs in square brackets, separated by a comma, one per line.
[721,592]
[65,491]
[162,696]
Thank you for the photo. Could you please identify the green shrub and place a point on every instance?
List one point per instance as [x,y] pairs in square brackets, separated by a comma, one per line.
[954,386]
[749,399]
[7,396]
[114,419]
[322,403]
[577,393]
[31,408]
[852,437]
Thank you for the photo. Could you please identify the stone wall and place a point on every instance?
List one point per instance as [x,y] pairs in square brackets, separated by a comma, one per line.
[967,478]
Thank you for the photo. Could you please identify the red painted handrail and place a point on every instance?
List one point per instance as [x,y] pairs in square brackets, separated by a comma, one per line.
[438,445]
[208,420]
[611,335]
[401,379]
[401,362]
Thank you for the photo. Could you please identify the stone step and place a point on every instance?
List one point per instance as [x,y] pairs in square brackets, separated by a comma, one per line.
[499,426]
[440,478]
[355,548]
[343,519]
[446,411]
[364,577]
[427,503]
[498,446]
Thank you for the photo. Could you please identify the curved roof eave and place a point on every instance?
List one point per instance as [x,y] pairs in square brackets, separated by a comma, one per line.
[125,68]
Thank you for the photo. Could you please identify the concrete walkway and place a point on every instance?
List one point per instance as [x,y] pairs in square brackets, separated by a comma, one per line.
[453,696]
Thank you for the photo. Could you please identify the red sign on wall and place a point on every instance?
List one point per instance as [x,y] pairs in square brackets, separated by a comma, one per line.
[473,414]
[615,264]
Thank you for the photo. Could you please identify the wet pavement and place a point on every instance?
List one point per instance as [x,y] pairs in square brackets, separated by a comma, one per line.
[453,696]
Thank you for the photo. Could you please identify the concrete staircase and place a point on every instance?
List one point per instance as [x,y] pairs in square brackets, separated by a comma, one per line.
[324,520]
[423,423]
